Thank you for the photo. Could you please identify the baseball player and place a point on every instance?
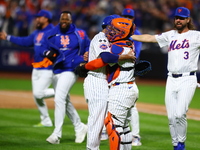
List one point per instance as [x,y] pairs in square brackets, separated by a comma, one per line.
[65,46]
[123,92]
[41,76]
[135,126]
[96,86]
[183,52]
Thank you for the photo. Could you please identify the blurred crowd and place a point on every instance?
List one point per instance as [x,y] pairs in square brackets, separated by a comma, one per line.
[151,16]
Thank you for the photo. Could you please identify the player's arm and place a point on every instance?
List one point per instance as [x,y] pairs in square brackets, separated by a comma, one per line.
[144,38]
[130,55]
[21,41]
[82,69]
[107,57]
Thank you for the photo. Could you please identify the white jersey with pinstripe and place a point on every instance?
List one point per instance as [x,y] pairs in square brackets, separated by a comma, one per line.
[96,92]
[99,44]
[122,97]
[183,50]
[183,55]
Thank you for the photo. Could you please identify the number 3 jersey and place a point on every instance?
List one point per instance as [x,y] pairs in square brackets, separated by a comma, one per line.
[183,50]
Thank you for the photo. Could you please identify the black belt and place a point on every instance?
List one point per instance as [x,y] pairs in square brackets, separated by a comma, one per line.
[180,75]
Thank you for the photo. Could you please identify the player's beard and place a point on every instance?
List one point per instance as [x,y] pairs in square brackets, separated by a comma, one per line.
[39,26]
[180,27]
[64,29]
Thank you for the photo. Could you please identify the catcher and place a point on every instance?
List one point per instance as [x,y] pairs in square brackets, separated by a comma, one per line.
[116,131]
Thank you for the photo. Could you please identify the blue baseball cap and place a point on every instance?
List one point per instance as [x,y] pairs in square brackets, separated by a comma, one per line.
[182,12]
[107,20]
[44,13]
[128,12]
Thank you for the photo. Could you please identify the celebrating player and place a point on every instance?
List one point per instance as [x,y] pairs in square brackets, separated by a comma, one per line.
[123,92]
[65,46]
[135,125]
[41,76]
[96,86]
[183,52]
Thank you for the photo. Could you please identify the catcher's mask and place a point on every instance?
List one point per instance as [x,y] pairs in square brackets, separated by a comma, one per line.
[120,28]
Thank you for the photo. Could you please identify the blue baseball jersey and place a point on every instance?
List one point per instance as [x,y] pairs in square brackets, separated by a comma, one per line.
[69,46]
[34,39]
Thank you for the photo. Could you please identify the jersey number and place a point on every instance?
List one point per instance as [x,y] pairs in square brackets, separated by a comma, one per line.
[186,55]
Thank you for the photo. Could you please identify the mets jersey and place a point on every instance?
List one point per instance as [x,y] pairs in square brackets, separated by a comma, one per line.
[99,44]
[183,50]
[126,73]
[34,39]
[70,47]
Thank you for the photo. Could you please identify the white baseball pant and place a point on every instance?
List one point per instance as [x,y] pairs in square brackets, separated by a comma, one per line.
[41,80]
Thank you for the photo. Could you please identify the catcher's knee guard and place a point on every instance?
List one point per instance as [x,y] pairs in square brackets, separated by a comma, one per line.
[114,137]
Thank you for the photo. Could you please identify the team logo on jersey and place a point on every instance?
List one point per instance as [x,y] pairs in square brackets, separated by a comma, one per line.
[64,40]
[81,33]
[176,46]
[103,46]
[39,37]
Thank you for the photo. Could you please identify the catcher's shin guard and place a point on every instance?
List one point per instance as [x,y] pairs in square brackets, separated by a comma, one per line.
[114,137]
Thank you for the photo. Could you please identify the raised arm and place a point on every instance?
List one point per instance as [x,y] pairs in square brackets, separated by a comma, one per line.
[144,38]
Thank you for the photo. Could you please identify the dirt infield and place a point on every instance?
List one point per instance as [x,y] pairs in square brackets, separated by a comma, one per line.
[23,99]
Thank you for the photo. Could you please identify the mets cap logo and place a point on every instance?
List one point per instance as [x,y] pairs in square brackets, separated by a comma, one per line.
[179,10]
[128,11]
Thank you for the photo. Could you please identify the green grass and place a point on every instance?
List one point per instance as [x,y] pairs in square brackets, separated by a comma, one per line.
[16,131]
[148,93]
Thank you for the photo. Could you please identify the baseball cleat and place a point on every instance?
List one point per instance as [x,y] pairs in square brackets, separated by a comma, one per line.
[53,139]
[136,141]
[181,146]
[175,147]
[42,125]
[80,136]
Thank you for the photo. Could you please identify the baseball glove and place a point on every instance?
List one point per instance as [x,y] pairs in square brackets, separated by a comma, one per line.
[142,67]
[81,71]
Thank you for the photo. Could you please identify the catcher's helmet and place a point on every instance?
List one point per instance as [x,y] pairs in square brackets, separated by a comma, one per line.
[120,28]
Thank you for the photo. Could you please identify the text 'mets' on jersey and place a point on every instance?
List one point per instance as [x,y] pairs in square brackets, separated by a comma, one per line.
[183,52]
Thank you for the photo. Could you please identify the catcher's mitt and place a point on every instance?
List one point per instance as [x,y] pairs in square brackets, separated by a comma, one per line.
[142,67]
[81,71]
